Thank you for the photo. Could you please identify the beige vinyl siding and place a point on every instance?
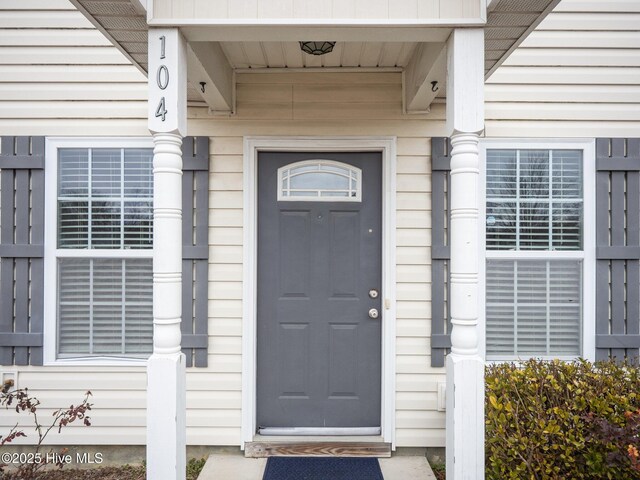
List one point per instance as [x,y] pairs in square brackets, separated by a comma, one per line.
[277,104]
[118,395]
[330,104]
[61,76]
[576,75]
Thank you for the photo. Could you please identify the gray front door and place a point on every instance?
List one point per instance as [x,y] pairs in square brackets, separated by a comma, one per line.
[319,352]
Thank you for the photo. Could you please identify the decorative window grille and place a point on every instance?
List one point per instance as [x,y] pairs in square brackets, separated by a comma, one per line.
[319,180]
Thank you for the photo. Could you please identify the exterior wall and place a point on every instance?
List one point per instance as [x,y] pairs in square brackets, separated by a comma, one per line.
[576,75]
[320,9]
[332,105]
[83,89]
[60,76]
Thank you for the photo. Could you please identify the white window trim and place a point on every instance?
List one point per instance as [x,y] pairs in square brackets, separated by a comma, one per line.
[588,254]
[51,253]
[251,147]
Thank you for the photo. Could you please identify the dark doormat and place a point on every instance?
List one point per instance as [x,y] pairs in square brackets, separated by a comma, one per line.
[322,468]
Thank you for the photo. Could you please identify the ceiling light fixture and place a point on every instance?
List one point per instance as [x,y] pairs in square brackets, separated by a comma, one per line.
[317,48]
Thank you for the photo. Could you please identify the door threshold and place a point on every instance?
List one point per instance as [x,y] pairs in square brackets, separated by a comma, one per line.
[319,431]
[318,438]
[351,446]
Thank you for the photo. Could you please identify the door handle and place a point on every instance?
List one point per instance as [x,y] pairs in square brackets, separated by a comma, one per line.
[373,313]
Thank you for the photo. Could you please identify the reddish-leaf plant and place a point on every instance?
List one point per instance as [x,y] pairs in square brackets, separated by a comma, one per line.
[22,401]
[623,440]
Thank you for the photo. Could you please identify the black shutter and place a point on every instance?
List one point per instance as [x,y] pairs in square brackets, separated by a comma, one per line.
[617,248]
[195,249]
[21,250]
[440,253]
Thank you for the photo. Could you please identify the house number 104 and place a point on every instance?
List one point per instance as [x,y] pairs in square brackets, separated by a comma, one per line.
[162,79]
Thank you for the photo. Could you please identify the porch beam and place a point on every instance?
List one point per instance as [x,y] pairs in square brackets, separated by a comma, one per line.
[427,65]
[465,366]
[211,75]
[293,33]
[166,372]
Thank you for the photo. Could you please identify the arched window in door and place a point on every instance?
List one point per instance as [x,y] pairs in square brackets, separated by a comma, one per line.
[319,180]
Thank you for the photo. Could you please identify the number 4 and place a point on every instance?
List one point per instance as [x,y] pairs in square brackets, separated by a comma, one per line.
[161,111]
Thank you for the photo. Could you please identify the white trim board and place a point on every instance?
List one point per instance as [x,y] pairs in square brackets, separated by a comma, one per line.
[251,147]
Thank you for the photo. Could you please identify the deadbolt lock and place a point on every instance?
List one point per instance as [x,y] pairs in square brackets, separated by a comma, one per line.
[373,313]
[373,293]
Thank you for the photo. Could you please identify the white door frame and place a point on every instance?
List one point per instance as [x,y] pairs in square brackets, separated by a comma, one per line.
[387,147]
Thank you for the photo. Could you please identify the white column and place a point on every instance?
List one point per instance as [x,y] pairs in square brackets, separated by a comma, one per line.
[166,390]
[465,367]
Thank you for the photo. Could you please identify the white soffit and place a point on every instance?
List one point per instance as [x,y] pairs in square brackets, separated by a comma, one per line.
[123,23]
[509,22]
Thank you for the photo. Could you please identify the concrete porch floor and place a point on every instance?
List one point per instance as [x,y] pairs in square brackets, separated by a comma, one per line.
[237,467]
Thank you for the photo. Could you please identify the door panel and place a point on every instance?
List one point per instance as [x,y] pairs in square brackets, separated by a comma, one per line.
[319,353]
[344,254]
[343,372]
[294,253]
[294,343]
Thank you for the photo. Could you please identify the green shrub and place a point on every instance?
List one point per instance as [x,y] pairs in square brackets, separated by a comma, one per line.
[540,420]
[194,467]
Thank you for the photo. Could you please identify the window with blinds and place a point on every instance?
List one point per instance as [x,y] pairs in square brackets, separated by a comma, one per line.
[534,200]
[535,252]
[104,240]
[534,307]
[105,306]
[104,198]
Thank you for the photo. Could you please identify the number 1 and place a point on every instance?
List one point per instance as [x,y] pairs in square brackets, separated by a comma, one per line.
[162,46]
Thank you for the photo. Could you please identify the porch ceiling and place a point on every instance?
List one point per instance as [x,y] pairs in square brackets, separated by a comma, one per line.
[345,54]
[509,22]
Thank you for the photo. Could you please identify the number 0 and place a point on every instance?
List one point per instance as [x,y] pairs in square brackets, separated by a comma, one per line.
[162,78]
[161,111]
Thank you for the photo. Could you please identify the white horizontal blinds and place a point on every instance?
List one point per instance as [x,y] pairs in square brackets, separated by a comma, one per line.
[73,190]
[567,200]
[534,200]
[501,335]
[320,179]
[105,306]
[105,194]
[104,198]
[74,306]
[105,203]
[138,313]
[534,307]
[534,204]
[138,195]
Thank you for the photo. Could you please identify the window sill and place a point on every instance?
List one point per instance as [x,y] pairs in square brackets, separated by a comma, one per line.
[544,358]
[97,362]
